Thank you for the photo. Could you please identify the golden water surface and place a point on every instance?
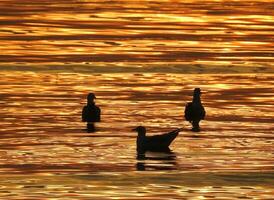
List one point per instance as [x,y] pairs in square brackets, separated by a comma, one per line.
[142,59]
[46,152]
[206,32]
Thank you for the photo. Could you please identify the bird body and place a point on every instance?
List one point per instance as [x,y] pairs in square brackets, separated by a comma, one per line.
[91,113]
[194,111]
[156,142]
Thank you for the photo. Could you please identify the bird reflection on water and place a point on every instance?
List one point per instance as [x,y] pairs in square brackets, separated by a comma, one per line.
[161,160]
[90,128]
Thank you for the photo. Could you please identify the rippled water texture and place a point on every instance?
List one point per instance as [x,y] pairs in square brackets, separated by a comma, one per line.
[158,45]
[45,151]
[232,33]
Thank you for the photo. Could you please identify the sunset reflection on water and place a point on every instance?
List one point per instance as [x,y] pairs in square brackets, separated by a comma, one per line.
[194,32]
[46,151]
[142,59]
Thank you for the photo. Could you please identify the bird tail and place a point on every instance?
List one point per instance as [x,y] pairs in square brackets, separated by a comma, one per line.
[172,136]
[177,130]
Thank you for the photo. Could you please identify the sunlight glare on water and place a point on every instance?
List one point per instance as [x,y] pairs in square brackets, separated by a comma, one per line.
[234,33]
[142,59]
[46,152]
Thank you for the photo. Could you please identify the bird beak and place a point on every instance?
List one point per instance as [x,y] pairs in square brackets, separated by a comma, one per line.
[133,129]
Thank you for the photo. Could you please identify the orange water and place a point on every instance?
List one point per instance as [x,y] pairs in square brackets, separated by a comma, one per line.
[141,58]
[237,32]
[46,153]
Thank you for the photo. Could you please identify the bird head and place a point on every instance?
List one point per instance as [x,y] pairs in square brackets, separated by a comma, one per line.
[197,91]
[91,97]
[140,129]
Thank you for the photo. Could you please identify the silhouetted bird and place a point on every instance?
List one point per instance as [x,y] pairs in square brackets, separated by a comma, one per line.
[91,113]
[154,143]
[194,111]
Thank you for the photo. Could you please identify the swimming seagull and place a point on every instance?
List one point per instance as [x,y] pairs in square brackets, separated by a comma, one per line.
[91,113]
[154,143]
[194,111]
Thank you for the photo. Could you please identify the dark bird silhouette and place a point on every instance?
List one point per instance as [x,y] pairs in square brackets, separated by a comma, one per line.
[91,113]
[154,143]
[194,111]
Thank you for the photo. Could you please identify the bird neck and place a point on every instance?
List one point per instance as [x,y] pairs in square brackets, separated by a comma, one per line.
[140,142]
[91,103]
[196,99]
[141,134]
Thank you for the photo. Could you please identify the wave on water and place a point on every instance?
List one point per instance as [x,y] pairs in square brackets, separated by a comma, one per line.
[139,68]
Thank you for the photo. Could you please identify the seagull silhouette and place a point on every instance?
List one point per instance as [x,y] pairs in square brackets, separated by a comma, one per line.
[91,112]
[154,143]
[194,111]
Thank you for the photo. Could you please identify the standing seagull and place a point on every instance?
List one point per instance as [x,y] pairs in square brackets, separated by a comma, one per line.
[91,113]
[154,143]
[194,111]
